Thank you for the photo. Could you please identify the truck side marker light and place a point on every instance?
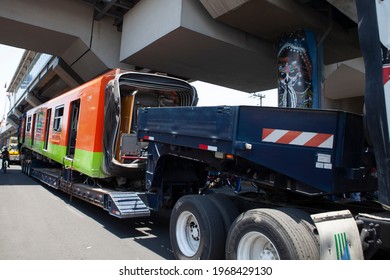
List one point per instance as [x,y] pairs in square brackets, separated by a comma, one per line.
[300,138]
[207,147]
[229,156]
[151,138]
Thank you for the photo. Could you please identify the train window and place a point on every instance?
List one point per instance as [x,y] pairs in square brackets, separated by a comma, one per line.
[28,126]
[59,112]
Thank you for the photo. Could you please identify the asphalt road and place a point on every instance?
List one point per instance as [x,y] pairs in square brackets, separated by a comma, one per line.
[40,223]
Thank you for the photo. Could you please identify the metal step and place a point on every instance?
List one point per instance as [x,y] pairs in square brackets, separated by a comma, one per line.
[126,205]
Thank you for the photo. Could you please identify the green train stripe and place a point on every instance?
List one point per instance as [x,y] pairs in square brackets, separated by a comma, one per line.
[88,163]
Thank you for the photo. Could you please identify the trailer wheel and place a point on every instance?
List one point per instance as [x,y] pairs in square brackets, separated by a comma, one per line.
[226,207]
[25,166]
[196,228]
[305,220]
[269,234]
[28,169]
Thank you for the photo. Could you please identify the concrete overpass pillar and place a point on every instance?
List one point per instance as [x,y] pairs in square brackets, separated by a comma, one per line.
[180,37]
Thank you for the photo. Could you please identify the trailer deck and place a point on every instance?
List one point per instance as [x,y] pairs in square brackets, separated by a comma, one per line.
[322,149]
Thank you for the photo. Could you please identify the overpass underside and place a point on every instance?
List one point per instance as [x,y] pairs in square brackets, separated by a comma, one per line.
[229,42]
[225,42]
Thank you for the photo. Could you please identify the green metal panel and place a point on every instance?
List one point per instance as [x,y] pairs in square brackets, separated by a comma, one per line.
[88,163]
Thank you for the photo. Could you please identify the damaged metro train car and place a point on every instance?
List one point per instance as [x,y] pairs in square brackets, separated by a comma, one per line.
[84,142]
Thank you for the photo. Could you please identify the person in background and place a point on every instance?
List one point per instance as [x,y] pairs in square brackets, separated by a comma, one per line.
[5,155]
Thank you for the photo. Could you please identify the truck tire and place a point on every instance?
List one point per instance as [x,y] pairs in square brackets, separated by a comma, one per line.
[270,234]
[304,219]
[28,169]
[23,167]
[227,209]
[196,228]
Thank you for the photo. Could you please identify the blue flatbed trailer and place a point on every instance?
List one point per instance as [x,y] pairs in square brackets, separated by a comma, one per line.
[302,162]
[319,151]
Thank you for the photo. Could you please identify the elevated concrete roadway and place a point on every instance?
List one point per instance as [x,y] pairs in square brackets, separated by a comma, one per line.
[229,43]
[62,28]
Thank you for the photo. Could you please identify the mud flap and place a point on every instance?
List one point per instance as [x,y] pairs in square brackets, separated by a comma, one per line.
[339,236]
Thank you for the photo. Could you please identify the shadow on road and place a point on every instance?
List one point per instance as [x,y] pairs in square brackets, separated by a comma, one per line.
[14,176]
[150,232]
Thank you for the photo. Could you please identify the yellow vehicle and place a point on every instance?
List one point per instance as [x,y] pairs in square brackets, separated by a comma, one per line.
[14,156]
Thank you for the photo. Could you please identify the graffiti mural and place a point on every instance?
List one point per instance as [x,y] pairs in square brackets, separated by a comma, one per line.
[295,71]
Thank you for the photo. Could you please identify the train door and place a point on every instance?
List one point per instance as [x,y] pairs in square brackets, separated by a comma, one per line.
[127,106]
[22,135]
[47,128]
[28,130]
[73,125]
[33,129]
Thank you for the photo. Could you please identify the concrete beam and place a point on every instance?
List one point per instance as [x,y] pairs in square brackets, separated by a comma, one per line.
[345,79]
[268,19]
[62,28]
[12,126]
[45,26]
[16,113]
[217,8]
[347,7]
[7,131]
[32,100]
[179,37]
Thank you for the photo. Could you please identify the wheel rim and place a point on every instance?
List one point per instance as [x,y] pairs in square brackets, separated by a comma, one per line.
[256,246]
[188,234]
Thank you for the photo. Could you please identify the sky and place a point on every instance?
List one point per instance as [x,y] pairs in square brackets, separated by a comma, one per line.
[209,95]
[9,61]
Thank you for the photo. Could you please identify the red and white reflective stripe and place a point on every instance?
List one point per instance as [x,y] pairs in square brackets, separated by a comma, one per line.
[300,138]
[207,147]
[147,137]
